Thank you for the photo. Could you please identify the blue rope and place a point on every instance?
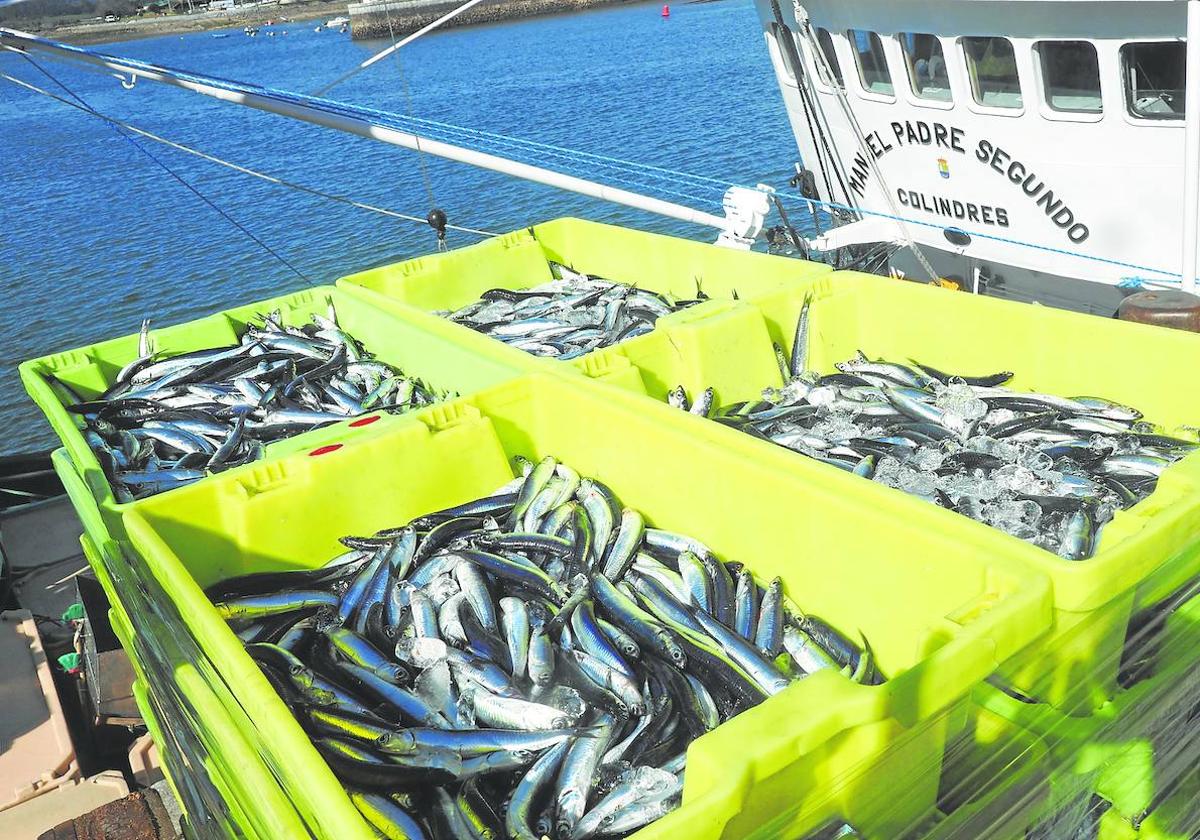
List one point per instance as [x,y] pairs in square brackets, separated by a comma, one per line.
[700,179]
[638,175]
[641,176]
[1048,248]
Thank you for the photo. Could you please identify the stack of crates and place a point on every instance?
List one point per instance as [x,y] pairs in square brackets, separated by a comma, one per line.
[962,618]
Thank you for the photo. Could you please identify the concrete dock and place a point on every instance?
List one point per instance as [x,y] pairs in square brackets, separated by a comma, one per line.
[370,19]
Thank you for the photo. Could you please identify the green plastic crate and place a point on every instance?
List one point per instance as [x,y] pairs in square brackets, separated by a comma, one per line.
[443,364]
[243,800]
[939,611]
[1144,553]
[1135,751]
[519,260]
[993,783]
[1177,818]
[183,682]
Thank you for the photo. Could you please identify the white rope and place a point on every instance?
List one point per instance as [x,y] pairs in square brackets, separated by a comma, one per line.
[839,93]
[384,53]
[237,167]
[372,124]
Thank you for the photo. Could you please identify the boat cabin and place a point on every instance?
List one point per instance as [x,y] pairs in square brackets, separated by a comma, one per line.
[1031,147]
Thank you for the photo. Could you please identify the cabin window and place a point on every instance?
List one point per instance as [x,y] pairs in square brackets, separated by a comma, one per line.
[825,40]
[872,64]
[926,66]
[1071,76]
[1154,79]
[782,35]
[992,67]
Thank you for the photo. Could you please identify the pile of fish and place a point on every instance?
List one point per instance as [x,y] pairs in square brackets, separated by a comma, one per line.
[166,422]
[567,317]
[530,664]
[1050,470]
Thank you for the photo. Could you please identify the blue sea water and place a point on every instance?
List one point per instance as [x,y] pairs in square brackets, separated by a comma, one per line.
[94,236]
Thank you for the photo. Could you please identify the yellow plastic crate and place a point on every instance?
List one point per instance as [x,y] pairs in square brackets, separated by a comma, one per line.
[1175,818]
[665,264]
[184,685]
[89,371]
[213,770]
[941,611]
[1136,752]
[1143,554]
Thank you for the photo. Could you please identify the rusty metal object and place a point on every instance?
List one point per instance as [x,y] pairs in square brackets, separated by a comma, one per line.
[1171,308]
[139,816]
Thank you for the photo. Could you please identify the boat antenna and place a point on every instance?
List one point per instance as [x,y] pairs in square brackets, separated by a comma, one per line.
[384,53]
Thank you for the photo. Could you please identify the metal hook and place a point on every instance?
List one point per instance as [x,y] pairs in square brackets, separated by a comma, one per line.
[128,85]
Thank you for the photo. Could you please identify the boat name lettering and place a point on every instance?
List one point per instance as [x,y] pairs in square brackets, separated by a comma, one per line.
[1033,187]
[953,208]
[919,133]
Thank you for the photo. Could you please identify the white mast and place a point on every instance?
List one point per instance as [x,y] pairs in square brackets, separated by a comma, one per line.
[745,208]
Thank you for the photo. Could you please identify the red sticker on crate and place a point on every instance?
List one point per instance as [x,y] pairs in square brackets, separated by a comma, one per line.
[325,450]
[364,421]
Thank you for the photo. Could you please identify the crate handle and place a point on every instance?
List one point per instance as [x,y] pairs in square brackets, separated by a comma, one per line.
[604,363]
[263,478]
[447,415]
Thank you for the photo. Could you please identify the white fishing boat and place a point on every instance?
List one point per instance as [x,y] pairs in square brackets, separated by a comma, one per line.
[1036,156]
[1033,150]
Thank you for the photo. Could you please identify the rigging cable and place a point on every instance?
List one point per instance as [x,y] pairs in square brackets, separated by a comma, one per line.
[437,217]
[852,120]
[196,192]
[1166,277]
[236,167]
[641,176]
[792,56]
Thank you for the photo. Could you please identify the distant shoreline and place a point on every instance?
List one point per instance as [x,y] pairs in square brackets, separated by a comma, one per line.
[379,19]
[298,13]
[153,27]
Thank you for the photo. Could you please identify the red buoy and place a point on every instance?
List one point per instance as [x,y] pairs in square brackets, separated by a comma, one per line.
[666,12]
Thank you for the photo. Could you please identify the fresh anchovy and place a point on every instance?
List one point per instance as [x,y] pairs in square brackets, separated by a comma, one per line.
[799,360]
[387,816]
[567,317]
[261,606]
[1047,469]
[214,409]
[640,786]
[520,808]
[469,674]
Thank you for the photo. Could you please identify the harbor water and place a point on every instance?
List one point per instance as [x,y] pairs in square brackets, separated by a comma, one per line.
[95,236]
